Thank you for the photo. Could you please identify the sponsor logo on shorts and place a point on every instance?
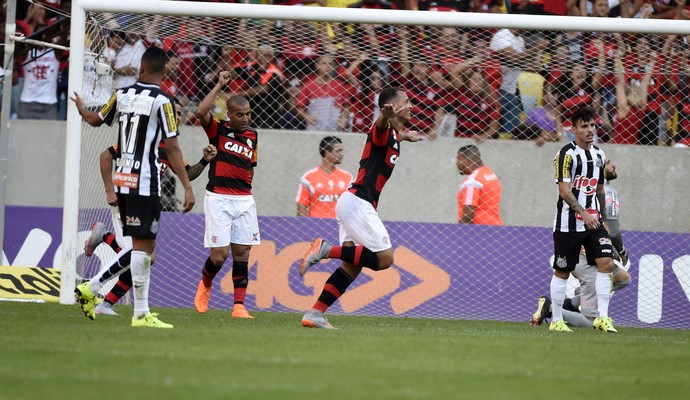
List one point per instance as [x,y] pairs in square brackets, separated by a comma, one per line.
[605,250]
[133,221]
[154,227]
[604,241]
[561,262]
[255,237]
[214,239]
[385,240]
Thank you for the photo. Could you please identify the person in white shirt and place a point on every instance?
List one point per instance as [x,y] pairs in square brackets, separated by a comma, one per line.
[128,61]
[38,99]
[514,57]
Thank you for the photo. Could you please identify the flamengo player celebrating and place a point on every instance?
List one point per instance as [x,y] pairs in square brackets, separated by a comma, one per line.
[229,207]
[364,240]
[579,220]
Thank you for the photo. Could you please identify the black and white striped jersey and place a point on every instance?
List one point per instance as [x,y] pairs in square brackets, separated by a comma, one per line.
[584,170]
[146,115]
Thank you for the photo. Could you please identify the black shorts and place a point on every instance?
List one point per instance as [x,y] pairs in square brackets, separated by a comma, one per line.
[566,248]
[140,215]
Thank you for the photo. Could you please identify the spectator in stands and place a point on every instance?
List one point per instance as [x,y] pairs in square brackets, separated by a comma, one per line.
[488,6]
[631,103]
[474,106]
[668,9]
[634,8]
[35,16]
[682,91]
[540,122]
[379,41]
[539,7]
[364,110]
[636,65]
[560,64]
[574,42]
[479,197]
[321,186]
[38,98]
[301,44]
[574,90]
[423,92]
[444,5]
[169,82]
[266,89]
[670,63]
[513,56]
[199,57]
[98,68]
[324,102]
[600,8]
[128,61]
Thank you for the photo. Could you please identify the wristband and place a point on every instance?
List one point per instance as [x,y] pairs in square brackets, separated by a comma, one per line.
[203,162]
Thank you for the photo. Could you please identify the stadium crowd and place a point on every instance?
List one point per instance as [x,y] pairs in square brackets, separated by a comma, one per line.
[479,83]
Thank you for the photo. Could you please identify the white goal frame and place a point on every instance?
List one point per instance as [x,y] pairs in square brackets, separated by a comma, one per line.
[322,14]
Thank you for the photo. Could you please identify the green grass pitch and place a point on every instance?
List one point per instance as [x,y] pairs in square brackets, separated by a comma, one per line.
[49,351]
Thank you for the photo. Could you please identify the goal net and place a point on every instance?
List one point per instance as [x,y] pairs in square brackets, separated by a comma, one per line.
[509,92]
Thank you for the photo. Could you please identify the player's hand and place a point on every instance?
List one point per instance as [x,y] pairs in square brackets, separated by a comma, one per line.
[111,198]
[591,222]
[223,78]
[188,200]
[210,152]
[390,111]
[78,101]
[412,136]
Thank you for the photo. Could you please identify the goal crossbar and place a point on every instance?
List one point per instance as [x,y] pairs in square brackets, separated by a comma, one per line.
[398,17]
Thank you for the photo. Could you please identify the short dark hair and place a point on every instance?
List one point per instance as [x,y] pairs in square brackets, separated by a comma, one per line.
[470,151]
[327,144]
[154,59]
[584,114]
[237,100]
[388,94]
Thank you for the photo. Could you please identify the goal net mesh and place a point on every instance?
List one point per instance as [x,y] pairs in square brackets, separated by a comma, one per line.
[511,94]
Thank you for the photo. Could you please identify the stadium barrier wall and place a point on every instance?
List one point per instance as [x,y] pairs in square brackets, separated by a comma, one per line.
[422,283]
[652,180]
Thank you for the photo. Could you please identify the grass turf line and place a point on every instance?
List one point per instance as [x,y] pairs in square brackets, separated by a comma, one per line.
[48,351]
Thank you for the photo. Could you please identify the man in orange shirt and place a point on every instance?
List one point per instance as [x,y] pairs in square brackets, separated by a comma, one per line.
[321,186]
[480,193]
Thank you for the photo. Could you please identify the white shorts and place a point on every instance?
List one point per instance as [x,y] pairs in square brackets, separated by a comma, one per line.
[125,242]
[230,219]
[359,222]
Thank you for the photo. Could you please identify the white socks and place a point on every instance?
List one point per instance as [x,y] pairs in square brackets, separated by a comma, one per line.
[119,265]
[141,272]
[602,286]
[558,287]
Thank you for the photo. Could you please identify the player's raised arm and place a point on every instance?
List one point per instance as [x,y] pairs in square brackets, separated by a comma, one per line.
[203,109]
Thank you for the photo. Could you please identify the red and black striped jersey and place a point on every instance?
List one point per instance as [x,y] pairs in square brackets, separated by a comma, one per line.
[162,156]
[231,172]
[381,152]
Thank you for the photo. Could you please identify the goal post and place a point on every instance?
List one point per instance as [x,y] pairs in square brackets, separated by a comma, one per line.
[428,272]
